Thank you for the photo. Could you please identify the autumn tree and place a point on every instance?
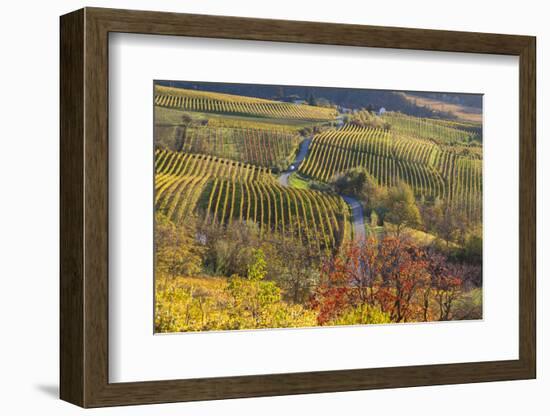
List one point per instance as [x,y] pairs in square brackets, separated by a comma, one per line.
[448,289]
[366,118]
[437,268]
[252,295]
[359,183]
[404,273]
[293,265]
[176,249]
[392,279]
[402,209]
[441,220]
[353,182]
[256,302]
[229,250]
[473,246]
[386,275]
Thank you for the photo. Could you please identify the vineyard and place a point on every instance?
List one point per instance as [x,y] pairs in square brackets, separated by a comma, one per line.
[260,147]
[223,191]
[433,171]
[215,120]
[228,151]
[209,102]
[277,214]
[441,131]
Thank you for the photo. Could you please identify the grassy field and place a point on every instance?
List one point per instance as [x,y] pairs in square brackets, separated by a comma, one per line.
[169,116]
[463,113]
[421,237]
[298,181]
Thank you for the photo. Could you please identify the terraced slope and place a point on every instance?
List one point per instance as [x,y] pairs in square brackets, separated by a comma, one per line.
[440,131]
[432,171]
[260,147]
[223,191]
[211,102]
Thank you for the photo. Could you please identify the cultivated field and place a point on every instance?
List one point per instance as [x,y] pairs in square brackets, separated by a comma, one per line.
[295,212]
[223,191]
[453,174]
[210,102]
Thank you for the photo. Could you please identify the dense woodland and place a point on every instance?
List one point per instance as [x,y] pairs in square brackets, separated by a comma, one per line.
[276,214]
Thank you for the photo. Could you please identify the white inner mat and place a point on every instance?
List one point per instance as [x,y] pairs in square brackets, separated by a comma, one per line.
[135,354]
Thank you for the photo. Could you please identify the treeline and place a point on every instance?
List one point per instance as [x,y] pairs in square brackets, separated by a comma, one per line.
[344,97]
[457,235]
[223,278]
[196,248]
[212,277]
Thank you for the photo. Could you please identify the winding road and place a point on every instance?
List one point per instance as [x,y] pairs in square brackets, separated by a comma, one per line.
[358,219]
[302,152]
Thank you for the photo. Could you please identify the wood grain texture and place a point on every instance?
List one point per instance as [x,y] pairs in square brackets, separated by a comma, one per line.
[72,368]
[162,23]
[84,207]
[527,207]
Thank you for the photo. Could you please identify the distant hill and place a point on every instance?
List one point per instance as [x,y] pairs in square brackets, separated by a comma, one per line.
[344,97]
[466,100]
[461,107]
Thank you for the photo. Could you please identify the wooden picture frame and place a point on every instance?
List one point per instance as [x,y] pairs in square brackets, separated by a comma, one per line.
[84,207]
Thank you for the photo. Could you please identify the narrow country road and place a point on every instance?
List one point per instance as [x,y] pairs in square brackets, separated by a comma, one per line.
[357,217]
[302,152]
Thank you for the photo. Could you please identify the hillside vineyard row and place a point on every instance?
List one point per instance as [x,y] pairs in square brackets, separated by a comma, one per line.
[223,169]
[433,171]
[262,108]
[224,191]
[260,147]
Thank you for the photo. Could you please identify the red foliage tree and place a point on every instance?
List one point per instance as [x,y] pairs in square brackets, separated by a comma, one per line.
[392,274]
[404,273]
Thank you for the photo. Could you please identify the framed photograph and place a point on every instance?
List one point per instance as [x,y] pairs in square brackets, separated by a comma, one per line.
[262,207]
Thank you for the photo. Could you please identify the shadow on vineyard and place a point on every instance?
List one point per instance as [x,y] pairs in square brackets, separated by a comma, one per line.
[276,211]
